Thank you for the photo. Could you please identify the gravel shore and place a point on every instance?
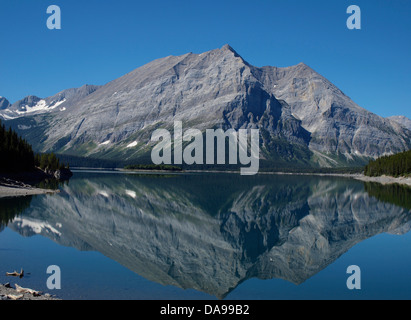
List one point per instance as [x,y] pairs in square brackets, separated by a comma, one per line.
[8,292]
[384,179]
[11,188]
[357,176]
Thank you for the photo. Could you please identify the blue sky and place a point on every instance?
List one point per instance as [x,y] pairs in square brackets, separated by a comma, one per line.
[101,40]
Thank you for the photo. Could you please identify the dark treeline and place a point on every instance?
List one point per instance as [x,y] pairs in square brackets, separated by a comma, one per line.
[152,167]
[16,154]
[393,193]
[78,162]
[396,165]
[49,161]
[307,170]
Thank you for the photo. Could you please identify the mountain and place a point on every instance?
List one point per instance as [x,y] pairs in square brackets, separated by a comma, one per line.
[33,105]
[402,120]
[339,128]
[4,103]
[304,120]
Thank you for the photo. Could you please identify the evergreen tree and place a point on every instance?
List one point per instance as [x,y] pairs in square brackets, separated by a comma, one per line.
[17,155]
[396,165]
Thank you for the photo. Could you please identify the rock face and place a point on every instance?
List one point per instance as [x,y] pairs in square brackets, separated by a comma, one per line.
[169,230]
[338,126]
[402,120]
[303,118]
[33,105]
[4,103]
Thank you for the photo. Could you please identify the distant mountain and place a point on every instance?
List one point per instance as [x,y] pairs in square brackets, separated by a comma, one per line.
[4,103]
[33,105]
[304,120]
[402,120]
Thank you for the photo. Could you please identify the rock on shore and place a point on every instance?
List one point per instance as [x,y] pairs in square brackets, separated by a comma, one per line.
[7,292]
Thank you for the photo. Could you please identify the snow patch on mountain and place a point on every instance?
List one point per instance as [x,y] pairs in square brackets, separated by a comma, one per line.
[40,106]
[133,144]
[57,104]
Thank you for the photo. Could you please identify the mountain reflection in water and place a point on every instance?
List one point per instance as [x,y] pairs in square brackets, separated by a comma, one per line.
[210,232]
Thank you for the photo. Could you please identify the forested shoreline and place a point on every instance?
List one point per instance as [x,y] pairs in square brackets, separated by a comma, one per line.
[16,153]
[395,165]
[17,156]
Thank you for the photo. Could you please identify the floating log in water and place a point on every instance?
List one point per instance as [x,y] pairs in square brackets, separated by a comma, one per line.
[16,274]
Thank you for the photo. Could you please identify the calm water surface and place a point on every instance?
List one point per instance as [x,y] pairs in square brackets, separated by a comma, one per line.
[210,236]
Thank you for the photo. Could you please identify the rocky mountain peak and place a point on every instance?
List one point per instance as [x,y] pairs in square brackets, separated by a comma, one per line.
[23,104]
[227,47]
[402,120]
[4,103]
[303,118]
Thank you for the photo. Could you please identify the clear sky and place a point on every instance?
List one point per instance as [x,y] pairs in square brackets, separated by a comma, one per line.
[101,40]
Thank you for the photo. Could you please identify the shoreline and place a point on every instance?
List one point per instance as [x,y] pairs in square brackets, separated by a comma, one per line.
[11,188]
[357,176]
[386,180]
[9,293]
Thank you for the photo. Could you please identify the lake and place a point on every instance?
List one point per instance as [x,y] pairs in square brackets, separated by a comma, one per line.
[210,236]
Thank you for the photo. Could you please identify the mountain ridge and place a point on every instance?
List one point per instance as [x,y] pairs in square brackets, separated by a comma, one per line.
[402,120]
[303,118]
